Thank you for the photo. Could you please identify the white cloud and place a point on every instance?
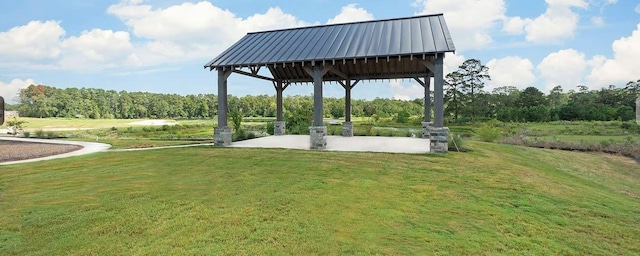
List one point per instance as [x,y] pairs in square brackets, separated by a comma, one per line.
[9,91]
[597,21]
[559,22]
[452,62]
[637,9]
[406,91]
[192,30]
[41,45]
[623,67]
[564,67]
[469,21]
[515,25]
[274,18]
[351,13]
[510,71]
[97,48]
[36,40]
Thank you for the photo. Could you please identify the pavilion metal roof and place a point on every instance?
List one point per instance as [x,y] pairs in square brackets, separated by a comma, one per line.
[352,48]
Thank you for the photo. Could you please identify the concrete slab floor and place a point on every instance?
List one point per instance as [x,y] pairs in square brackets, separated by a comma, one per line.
[339,143]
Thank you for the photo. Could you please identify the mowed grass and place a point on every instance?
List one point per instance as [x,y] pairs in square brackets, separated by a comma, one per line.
[496,199]
[75,123]
[140,143]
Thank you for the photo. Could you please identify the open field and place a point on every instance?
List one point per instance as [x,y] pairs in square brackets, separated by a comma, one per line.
[33,124]
[496,199]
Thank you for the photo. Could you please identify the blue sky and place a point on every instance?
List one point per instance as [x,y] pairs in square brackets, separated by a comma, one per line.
[162,45]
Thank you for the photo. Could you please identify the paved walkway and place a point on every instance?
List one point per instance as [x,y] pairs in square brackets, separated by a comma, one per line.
[88,148]
[339,143]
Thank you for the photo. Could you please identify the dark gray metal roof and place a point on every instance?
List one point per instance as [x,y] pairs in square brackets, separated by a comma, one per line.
[353,45]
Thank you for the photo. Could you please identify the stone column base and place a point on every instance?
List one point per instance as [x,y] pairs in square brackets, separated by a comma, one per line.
[318,136]
[426,128]
[347,129]
[279,128]
[439,139]
[222,136]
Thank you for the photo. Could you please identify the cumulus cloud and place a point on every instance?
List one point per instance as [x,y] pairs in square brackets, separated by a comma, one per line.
[42,45]
[406,91]
[510,71]
[191,30]
[620,69]
[452,62]
[97,48]
[564,67]
[351,13]
[470,21]
[35,40]
[557,23]
[158,36]
[9,91]
[515,25]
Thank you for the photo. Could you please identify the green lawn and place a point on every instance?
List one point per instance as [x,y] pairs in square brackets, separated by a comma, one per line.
[497,199]
[75,123]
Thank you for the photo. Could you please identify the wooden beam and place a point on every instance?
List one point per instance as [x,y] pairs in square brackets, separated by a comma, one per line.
[254,75]
[428,65]
[337,72]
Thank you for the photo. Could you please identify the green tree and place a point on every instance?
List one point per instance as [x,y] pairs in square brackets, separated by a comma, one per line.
[453,94]
[531,97]
[473,76]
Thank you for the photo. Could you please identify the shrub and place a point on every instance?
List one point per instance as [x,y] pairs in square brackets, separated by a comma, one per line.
[51,135]
[26,134]
[456,142]
[270,128]
[239,135]
[488,133]
[40,134]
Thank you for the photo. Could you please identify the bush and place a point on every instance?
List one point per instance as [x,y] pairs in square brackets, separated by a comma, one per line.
[40,134]
[270,128]
[456,142]
[239,135]
[51,135]
[488,133]
[26,134]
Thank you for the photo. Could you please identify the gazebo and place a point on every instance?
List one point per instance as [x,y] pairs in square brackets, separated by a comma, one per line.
[402,48]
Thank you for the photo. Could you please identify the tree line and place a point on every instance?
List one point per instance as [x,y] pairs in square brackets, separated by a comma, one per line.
[45,101]
[465,101]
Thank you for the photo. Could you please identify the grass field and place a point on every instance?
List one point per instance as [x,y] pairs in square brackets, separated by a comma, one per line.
[75,123]
[496,199]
